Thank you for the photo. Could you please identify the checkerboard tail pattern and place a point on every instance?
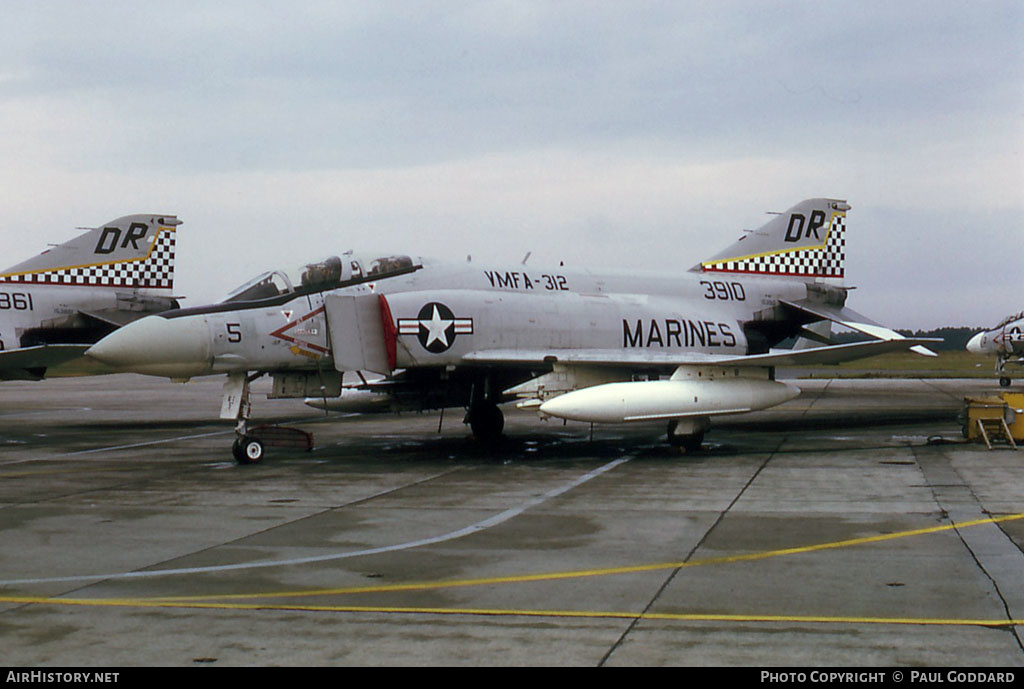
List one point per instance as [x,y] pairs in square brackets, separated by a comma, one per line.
[827,261]
[155,271]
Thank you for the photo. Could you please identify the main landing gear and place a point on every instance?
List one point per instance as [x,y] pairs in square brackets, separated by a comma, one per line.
[687,433]
[486,420]
[483,415]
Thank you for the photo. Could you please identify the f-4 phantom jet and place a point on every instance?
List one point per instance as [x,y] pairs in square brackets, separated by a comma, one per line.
[573,344]
[54,306]
[1006,341]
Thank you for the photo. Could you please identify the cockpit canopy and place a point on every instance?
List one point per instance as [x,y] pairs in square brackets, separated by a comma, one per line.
[261,287]
[331,273]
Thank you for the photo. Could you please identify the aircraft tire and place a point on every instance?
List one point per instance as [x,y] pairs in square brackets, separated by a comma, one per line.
[253,450]
[486,421]
[248,451]
[1004,382]
[690,443]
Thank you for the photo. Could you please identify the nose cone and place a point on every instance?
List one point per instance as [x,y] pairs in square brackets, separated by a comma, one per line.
[157,346]
[976,344]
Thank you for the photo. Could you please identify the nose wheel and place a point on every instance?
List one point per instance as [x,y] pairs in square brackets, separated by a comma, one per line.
[247,450]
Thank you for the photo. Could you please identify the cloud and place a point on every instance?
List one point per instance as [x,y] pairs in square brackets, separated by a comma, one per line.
[567,129]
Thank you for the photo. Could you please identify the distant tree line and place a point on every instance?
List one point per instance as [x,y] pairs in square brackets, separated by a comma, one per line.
[953,339]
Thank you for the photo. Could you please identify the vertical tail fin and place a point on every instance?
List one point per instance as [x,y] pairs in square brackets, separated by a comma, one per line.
[136,251]
[807,241]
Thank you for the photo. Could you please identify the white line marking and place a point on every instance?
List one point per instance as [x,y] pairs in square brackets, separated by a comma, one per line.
[488,523]
[50,458]
[38,412]
[146,443]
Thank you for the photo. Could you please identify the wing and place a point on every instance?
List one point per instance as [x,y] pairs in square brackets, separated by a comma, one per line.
[601,357]
[598,385]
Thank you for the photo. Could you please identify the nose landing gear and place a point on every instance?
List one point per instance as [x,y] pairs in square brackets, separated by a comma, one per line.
[251,443]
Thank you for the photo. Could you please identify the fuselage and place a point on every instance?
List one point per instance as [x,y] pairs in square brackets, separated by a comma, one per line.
[1005,340]
[46,314]
[438,313]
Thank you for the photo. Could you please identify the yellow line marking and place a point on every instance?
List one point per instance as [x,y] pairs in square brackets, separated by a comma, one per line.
[204,602]
[608,571]
[499,612]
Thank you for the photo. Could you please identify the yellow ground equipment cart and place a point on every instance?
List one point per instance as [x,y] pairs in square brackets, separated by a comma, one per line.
[995,419]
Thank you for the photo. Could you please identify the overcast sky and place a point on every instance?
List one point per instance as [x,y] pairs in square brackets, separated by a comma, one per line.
[605,134]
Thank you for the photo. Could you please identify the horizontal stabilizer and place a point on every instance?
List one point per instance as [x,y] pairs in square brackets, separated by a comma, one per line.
[30,362]
[111,317]
[120,317]
[835,354]
[848,318]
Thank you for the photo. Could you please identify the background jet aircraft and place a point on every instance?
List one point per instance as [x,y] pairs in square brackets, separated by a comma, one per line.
[54,306]
[1006,341]
[572,343]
